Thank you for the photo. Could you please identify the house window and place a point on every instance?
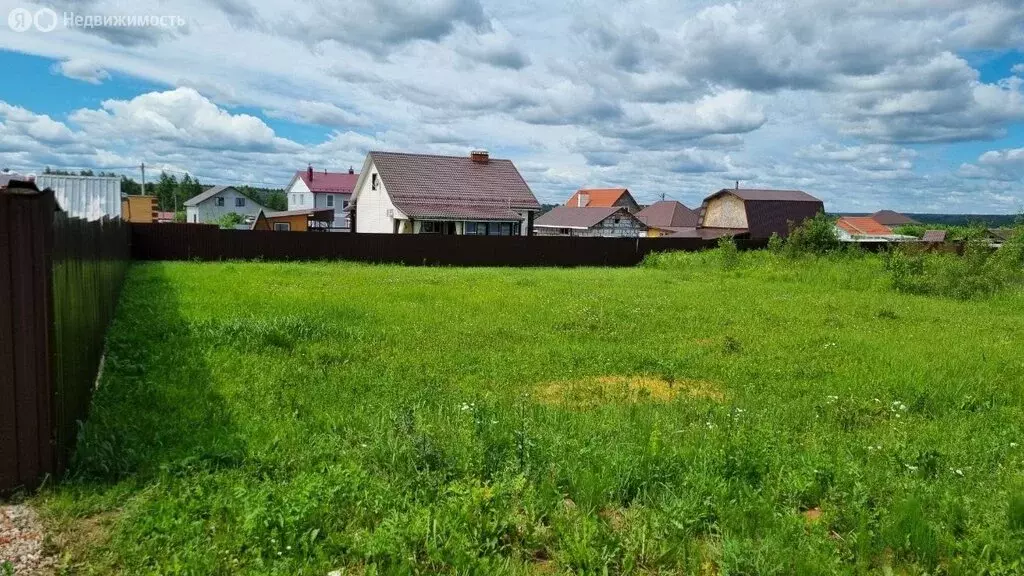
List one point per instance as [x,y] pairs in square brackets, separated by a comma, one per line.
[330,200]
[282,227]
[617,220]
[506,229]
[430,228]
[195,219]
[563,231]
[220,201]
[476,228]
[374,182]
[239,202]
[344,204]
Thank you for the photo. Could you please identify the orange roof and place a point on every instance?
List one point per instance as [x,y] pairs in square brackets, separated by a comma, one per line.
[597,197]
[863,226]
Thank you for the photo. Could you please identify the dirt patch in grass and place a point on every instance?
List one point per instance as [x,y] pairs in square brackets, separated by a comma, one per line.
[596,391]
[77,538]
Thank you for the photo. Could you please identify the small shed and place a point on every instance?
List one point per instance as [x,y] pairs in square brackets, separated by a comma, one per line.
[934,237]
[315,220]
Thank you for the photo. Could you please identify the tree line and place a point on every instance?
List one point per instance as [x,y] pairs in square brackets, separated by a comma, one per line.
[172,192]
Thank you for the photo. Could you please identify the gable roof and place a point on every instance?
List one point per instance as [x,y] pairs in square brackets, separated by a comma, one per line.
[863,226]
[769,211]
[424,186]
[934,236]
[668,214]
[579,218]
[892,218]
[209,193]
[599,197]
[328,182]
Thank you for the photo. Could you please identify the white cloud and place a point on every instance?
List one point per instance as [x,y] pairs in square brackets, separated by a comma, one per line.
[81,69]
[665,96]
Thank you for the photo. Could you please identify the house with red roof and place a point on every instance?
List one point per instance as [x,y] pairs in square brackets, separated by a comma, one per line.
[313,190]
[604,198]
[401,193]
[865,229]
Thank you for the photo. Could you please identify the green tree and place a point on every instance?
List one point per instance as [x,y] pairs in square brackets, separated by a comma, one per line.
[229,221]
[166,192]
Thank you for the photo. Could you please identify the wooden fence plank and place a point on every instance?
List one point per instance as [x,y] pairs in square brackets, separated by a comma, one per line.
[9,477]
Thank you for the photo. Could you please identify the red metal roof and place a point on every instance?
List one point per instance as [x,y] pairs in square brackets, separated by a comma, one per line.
[598,197]
[863,226]
[454,187]
[329,182]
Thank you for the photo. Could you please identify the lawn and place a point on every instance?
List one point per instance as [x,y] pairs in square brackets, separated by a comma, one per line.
[768,417]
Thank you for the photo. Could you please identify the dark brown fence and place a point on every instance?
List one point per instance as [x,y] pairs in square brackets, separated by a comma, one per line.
[200,242]
[59,281]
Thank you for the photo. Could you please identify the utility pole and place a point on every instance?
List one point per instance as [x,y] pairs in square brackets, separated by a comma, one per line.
[143,168]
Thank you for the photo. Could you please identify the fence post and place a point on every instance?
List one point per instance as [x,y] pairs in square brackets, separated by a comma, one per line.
[27,451]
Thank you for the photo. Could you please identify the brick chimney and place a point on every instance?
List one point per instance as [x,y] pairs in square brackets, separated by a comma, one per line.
[309,172]
[480,156]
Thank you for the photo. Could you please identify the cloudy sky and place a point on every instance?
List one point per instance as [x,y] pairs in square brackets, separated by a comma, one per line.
[916,105]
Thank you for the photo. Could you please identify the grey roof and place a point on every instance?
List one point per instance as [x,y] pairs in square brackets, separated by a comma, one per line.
[934,236]
[892,218]
[453,187]
[210,193]
[569,217]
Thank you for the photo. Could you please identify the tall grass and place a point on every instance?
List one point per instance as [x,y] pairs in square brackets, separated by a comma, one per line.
[769,416]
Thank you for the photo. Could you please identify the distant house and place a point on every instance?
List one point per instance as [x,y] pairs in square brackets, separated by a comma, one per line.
[423,194]
[310,189]
[217,202]
[755,214]
[610,222]
[934,237]
[892,219]
[604,198]
[668,217]
[321,219]
[865,229]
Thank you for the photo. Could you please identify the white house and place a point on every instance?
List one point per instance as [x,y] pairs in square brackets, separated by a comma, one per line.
[311,190]
[216,202]
[423,194]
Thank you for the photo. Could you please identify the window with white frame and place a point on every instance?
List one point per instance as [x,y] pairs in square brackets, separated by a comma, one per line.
[430,227]
[330,200]
[239,202]
[220,201]
[476,228]
[374,182]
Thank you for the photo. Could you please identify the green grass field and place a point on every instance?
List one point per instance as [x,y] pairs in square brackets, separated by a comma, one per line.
[774,418]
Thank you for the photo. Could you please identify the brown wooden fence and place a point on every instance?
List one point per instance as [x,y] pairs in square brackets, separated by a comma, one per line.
[202,242]
[59,282]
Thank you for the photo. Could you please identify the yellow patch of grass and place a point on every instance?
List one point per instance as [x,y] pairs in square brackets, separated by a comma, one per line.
[595,391]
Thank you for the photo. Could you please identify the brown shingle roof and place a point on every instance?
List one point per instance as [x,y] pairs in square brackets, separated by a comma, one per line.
[453,187]
[569,217]
[934,236]
[891,218]
[668,214]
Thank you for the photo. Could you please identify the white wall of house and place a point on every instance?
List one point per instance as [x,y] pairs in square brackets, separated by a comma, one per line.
[299,196]
[209,211]
[375,213]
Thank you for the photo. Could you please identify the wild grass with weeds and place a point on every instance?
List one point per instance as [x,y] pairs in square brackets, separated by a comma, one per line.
[775,417]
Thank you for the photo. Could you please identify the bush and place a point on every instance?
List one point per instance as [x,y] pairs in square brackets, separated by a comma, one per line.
[729,252]
[979,272]
[229,221]
[776,244]
[814,236]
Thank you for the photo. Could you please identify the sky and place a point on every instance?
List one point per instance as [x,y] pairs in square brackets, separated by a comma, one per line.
[916,105]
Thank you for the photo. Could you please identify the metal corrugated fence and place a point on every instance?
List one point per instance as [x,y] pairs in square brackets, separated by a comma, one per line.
[88,197]
[59,282]
[205,242]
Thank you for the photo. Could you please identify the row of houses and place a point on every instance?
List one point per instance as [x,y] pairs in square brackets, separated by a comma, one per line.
[399,193]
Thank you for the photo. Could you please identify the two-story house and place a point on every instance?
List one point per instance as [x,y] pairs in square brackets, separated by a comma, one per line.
[312,190]
[217,202]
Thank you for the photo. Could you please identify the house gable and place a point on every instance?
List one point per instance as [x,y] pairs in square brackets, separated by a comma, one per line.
[725,210]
